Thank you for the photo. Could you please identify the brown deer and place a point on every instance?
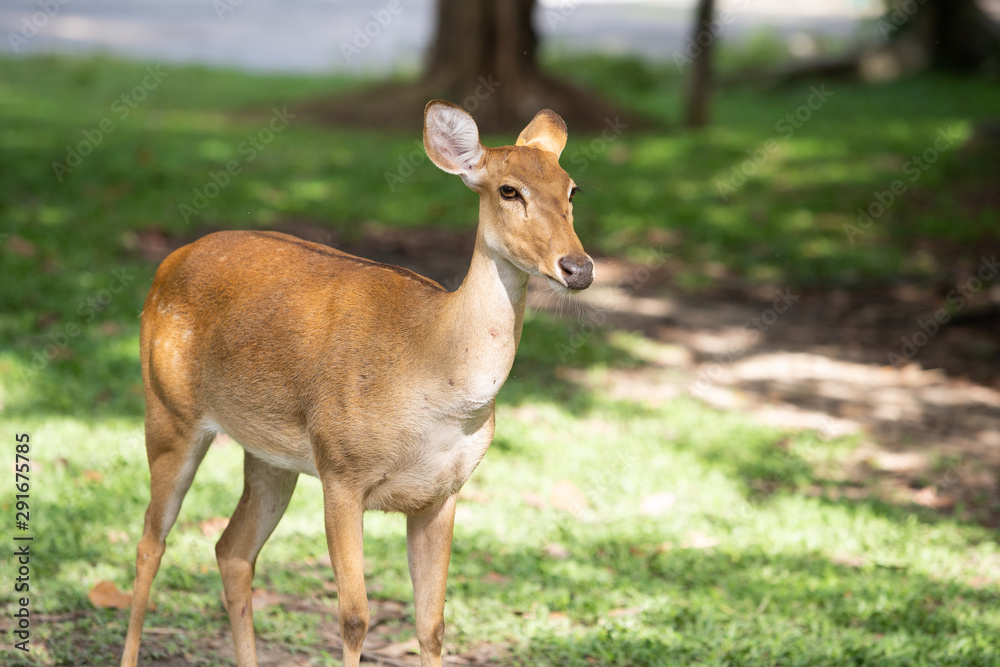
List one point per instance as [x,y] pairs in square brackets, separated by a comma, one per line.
[374,379]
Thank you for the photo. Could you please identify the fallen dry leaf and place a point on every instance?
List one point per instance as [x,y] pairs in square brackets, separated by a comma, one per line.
[558,617]
[556,551]
[21,247]
[929,497]
[214,526]
[115,536]
[628,611]
[699,540]
[533,499]
[45,320]
[264,598]
[980,581]
[106,595]
[261,598]
[657,504]
[847,560]
[410,646]
[496,578]
[568,497]
[487,654]
[93,476]
[110,328]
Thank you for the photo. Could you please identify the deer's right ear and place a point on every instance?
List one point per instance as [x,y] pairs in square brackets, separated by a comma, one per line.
[451,139]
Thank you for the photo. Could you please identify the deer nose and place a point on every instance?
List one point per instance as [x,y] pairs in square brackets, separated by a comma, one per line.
[577,271]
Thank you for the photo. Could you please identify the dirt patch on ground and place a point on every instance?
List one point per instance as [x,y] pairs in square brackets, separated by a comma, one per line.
[389,620]
[923,396]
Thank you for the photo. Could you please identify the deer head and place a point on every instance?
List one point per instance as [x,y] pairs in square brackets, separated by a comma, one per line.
[525,197]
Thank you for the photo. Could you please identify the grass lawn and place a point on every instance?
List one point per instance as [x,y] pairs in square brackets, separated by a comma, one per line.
[697,537]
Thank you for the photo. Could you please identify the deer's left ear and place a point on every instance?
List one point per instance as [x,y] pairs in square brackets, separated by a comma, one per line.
[546,131]
[451,139]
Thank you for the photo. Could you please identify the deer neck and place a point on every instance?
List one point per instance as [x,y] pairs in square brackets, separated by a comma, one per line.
[482,327]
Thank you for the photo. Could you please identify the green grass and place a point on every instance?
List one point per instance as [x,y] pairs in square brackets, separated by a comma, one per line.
[793,579]
[791,576]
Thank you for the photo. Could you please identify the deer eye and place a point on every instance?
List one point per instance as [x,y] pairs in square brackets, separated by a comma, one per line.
[508,192]
[572,192]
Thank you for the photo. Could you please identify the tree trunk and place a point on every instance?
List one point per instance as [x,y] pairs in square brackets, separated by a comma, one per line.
[483,58]
[952,34]
[700,79]
[913,35]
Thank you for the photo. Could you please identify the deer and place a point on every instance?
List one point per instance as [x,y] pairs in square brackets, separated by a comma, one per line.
[368,376]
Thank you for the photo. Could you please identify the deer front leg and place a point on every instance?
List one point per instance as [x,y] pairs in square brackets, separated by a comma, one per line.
[428,547]
[344,513]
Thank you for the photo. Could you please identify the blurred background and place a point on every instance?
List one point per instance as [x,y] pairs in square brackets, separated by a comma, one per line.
[305,36]
[768,434]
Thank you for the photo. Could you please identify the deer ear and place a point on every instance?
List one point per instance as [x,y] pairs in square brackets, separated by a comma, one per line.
[451,139]
[546,131]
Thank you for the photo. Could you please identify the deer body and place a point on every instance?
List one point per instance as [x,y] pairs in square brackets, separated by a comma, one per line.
[402,375]
[370,377]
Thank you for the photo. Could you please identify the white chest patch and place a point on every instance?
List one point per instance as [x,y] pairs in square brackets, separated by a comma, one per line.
[434,467]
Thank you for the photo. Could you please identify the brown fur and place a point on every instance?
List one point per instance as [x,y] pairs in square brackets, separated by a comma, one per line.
[370,377]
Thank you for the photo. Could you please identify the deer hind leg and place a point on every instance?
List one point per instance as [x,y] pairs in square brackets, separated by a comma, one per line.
[266,492]
[174,449]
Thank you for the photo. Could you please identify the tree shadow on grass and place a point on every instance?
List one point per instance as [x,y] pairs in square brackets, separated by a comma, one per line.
[678,606]
[686,605]
[629,591]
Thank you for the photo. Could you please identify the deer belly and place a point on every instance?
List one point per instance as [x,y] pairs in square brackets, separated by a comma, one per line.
[431,469]
[282,448]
